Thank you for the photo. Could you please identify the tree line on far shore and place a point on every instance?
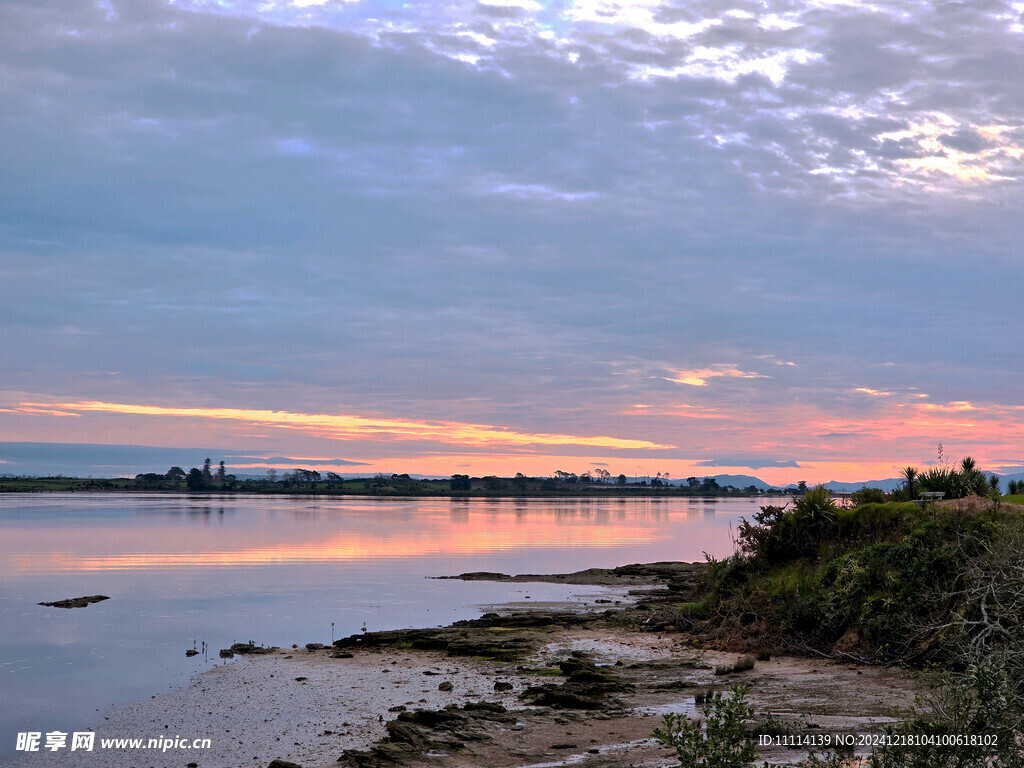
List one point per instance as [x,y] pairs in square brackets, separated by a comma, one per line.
[210,478]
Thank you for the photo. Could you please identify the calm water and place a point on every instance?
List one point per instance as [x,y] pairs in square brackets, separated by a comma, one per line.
[279,571]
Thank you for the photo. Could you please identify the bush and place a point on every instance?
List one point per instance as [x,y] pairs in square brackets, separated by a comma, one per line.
[718,740]
[867,496]
[879,581]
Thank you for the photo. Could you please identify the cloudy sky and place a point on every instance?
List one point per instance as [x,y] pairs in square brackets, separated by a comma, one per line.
[780,238]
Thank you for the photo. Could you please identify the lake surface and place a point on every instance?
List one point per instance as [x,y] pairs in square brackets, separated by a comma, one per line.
[183,570]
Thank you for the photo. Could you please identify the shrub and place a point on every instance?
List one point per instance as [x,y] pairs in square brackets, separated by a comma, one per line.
[815,507]
[867,496]
[718,740]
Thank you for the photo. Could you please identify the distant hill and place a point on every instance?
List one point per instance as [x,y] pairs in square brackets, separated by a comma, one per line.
[886,485]
[741,481]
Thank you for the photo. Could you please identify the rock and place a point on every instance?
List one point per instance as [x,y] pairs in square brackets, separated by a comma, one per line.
[586,687]
[191,652]
[315,646]
[445,686]
[283,764]
[446,730]
[501,685]
[251,649]
[480,576]
[397,708]
[76,602]
[226,654]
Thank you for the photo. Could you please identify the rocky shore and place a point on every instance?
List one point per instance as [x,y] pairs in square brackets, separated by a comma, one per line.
[516,688]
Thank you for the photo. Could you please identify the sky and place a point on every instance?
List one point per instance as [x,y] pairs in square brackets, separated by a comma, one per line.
[777,238]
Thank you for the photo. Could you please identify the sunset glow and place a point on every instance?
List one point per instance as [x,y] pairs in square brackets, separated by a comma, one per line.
[768,240]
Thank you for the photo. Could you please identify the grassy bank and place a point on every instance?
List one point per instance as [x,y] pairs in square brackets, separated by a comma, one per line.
[937,587]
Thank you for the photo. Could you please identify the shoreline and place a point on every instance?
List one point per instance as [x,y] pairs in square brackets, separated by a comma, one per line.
[598,492]
[523,685]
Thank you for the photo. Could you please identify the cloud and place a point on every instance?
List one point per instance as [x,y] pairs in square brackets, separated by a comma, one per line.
[748,462]
[276,460]
[699,377]
[488,214]
[351,427]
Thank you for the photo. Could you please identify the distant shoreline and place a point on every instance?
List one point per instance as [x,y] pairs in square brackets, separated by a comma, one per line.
[75,485]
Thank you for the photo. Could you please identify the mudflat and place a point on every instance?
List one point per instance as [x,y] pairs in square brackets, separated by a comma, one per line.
[518,687]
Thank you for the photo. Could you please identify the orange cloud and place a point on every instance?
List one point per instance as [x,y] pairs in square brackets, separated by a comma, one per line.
[682,409]
[347,427]
[699,377]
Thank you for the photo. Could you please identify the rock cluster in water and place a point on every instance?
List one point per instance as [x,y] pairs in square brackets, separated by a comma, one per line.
[76,602]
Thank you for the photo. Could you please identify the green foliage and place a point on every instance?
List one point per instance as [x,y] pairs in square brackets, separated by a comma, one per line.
[879,578]
[460,483]
[718,740]
[981,701]
[957,483]
[909,482]
[815,507]
[493,483]
[867,496]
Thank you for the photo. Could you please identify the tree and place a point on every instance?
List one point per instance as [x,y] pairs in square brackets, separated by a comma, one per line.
[620,480]
[602,474]
[710,485]
[207,475]
[909,475]
[460,483]
[175,476]
[801,487]
[194,480]
[151,481]
[519,481]
[221,475]
[272,476]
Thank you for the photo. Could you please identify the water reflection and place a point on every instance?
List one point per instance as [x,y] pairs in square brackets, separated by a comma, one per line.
[280,570]
[257,532]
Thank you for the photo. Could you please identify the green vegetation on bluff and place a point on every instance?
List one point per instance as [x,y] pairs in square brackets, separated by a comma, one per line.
[938,587]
